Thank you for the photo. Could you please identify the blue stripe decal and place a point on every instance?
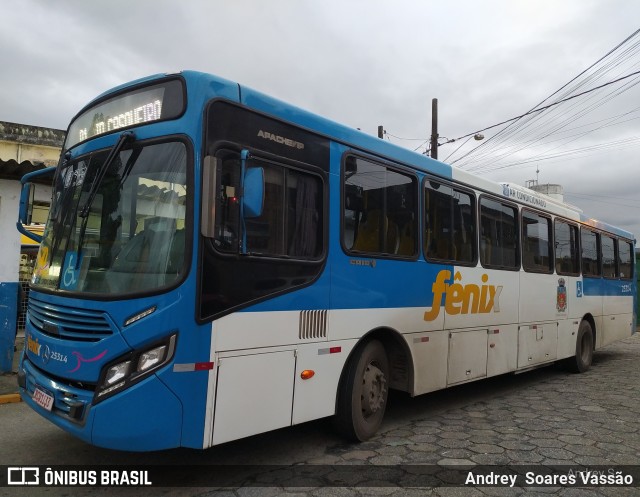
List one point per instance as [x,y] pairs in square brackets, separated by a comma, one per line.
[596,287]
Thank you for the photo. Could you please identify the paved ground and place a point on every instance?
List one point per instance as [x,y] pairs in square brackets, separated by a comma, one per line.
[542,418]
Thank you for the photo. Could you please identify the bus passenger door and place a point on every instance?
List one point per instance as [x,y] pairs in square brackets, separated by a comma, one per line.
[254,394]
[539,308]
[538,331]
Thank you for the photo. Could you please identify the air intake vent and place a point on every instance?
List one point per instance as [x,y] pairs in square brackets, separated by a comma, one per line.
[313,324]
[68,323]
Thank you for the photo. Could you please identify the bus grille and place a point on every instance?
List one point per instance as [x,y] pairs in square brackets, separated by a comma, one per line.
[313,324]
[68,323]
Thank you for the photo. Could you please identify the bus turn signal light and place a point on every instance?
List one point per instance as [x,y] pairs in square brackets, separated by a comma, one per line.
[307,374]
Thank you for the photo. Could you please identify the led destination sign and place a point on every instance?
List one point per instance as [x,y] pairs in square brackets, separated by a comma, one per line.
[145,105]
[145,113]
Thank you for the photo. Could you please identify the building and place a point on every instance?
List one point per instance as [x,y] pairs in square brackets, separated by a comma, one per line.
[23,149]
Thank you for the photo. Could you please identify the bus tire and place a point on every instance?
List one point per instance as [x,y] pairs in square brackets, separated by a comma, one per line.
[363,393]
[584,349]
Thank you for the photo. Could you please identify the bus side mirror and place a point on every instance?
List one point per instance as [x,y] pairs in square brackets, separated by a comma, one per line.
[27,195]
[253,196]
[25,211]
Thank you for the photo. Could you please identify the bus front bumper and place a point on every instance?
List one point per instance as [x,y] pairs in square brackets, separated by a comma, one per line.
[144,417]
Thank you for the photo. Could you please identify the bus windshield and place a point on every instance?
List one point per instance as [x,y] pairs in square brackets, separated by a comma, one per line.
[131,236]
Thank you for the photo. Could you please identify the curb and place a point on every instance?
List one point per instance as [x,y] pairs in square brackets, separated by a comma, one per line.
[10,398]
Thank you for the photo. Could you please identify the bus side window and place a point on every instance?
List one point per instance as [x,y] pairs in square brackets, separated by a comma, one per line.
[590,244]
[609,257]
[625,259]
[536,243]
[499,237]
[450,232]
[379,215]
[566,248]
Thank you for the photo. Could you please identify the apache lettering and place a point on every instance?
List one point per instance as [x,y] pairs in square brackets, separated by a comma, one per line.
[462,299]
[280,139]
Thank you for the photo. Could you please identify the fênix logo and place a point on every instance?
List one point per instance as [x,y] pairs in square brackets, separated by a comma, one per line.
[33,346]
[462,299]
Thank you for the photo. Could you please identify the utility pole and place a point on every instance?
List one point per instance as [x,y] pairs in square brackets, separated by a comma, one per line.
[434,128]
[380,131]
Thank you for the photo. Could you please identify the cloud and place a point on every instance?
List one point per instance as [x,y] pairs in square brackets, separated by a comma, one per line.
[363,63]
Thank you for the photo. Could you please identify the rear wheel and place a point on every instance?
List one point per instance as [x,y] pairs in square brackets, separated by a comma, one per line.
[363,392]
[584,349]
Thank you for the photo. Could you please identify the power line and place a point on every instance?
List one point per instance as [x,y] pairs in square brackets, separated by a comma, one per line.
[566,155]
[592,199]
[530,124]
[534,111]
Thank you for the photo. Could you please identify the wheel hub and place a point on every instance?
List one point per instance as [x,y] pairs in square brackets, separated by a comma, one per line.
[374,390]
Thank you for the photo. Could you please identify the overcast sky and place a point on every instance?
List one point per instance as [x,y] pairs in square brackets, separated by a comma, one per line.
[362,63]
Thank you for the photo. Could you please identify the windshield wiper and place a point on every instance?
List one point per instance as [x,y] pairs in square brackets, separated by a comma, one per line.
[93,190]
[122,141]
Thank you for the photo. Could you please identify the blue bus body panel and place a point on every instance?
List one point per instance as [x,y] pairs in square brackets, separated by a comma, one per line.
[181,394]
[73,359]
[595,287]
[148,416]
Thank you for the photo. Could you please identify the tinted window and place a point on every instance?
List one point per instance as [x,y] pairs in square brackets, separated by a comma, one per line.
[536,243]
[283,247]
[291,222]
[589,242]
[450,232]
[380,209]
[566,243]
[609,259]
[625,259]
[498,235]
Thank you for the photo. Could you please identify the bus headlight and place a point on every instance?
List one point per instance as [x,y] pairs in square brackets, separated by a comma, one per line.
[134,367]
[117,373]
[152,358]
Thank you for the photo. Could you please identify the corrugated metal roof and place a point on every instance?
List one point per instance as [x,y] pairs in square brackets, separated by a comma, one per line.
[35,135]
[12,169]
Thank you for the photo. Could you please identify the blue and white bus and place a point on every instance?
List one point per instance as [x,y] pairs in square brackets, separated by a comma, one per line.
[218,263]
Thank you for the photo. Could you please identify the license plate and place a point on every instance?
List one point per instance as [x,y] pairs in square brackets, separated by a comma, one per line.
[43,399]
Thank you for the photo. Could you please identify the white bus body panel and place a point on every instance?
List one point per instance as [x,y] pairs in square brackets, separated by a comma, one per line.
[256,390]
[467,356]
[502,349]
[355,323]
[254,394]
[616,318]
[430,354]
[519,324]
[259,329]
[316,397]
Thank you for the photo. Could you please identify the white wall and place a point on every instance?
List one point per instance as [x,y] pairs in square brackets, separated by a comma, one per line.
[9,235]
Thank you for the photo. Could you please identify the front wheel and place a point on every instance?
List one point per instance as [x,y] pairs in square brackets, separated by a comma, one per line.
[363,392]
[584,349]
